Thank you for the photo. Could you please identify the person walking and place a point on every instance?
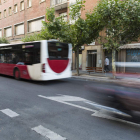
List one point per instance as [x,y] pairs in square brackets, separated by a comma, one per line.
[107,64]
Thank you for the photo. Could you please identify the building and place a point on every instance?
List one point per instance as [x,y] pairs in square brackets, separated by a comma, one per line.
[24,17]
[21,17]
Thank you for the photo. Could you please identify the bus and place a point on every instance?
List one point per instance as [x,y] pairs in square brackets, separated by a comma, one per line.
[40,60]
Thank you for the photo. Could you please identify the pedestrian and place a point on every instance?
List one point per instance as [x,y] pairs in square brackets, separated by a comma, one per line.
[107,64]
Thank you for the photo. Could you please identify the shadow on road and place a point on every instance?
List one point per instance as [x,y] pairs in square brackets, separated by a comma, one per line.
[45,83]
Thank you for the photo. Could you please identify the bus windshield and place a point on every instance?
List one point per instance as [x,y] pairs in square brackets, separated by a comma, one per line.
[57,50]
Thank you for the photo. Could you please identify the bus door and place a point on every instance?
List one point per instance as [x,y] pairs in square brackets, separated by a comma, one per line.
[34,69]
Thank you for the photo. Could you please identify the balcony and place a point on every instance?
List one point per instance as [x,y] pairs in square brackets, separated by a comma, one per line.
[59,4]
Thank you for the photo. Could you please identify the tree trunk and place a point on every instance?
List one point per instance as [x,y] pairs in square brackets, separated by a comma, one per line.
[113,63]
[77,59]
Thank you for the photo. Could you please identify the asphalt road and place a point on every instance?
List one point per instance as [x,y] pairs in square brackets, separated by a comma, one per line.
[56,110]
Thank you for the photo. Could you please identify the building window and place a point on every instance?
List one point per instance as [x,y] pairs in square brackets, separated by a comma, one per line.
[42,1]
[10,11]
[15,8]
[8,32]
[35,25]
[0,15]
[64,16]
[19,29]
[22,5]
[29,3]
[5,13]
[0,33]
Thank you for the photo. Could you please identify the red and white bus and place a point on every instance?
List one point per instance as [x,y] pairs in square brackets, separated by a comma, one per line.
[40,60]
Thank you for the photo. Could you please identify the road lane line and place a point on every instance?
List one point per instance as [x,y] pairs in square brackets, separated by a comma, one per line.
[101,114]
[48,134]
[9,113]
[56,99]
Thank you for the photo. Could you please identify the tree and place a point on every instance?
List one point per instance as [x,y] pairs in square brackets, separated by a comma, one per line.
[33,37]
[121,18]
[3,40]
[78,33]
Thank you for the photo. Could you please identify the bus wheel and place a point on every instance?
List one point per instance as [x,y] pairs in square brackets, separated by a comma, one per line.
[17,74]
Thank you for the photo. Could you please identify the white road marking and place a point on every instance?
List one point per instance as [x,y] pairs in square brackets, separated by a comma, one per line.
[67,98]
[102,114]
[55,98]
[109,109]
[9,113]
[48,134]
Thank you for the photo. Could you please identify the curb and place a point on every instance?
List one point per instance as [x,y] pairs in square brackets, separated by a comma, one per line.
[107,79]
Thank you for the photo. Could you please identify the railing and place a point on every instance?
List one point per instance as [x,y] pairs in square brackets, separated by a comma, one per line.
[56,2]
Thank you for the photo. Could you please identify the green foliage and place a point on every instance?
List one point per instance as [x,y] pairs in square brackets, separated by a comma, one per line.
[121,19]
[50,14]
[3,40]
[33,37]
[76,8]
[79,33]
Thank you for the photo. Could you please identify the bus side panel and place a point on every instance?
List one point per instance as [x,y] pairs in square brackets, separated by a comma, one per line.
[35,71]
[6,69]
[1,68]
[9,69]
[23,71]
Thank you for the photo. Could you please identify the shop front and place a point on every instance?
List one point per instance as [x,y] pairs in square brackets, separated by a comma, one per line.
[130,53]
[89,56]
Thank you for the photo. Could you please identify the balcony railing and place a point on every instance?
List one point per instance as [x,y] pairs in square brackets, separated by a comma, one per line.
[57,2]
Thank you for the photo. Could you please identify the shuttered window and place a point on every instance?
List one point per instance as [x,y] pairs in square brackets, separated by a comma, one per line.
[29,3]
[22,5]
[42,0]
[0,33]
[35,25]
[4,13]
[0,15]
[19,29]
[10,10]
[8,32]
[15,8]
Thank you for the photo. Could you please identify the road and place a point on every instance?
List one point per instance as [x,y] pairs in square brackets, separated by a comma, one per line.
[56,110]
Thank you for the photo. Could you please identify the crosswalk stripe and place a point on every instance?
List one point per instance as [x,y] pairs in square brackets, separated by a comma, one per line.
[9,113]
[48,134]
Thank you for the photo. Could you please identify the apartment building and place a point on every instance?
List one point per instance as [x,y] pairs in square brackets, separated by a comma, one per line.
[21,17]
[24,17]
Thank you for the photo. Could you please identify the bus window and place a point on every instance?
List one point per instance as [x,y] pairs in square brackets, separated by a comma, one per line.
[57,50]
[37,53]
[2,58]
[28,55]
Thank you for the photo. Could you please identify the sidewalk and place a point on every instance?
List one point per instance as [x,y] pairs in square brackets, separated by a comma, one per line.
[106,77]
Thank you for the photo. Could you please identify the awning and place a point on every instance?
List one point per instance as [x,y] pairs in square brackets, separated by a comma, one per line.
[131,46]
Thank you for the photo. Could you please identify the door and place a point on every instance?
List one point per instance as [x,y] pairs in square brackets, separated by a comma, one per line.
[92,58]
